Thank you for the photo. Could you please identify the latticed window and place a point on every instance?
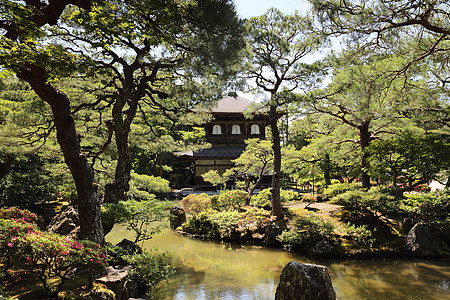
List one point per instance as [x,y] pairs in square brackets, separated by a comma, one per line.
[254,129]
[217,129]
[235,129]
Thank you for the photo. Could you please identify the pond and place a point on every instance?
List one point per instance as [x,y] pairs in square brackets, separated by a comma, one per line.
[215,270]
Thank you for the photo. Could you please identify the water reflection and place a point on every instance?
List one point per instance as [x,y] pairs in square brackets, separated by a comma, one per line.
[212,270]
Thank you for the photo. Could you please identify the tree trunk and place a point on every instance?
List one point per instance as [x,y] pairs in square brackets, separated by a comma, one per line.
[326,170]
[276,181]
[82,173]
[115,191]
[364,139]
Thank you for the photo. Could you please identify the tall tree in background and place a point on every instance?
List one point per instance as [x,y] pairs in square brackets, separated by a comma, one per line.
[362,98]
[417,32]
[382,25]
[135,45]
[278,45]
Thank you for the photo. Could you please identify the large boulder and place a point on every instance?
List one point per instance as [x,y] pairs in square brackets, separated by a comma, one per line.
[66,223]
[116,281]
[423,240]
[178,216]
[305,282]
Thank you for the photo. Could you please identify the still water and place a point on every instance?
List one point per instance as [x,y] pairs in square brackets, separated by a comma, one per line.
[213,270]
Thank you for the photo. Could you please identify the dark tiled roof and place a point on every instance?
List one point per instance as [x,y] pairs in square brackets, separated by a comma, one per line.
[214,152]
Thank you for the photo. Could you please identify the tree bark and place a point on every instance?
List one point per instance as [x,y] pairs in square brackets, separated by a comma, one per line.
[364,139]
[326,170]
[82,173]
[276,180]
[115,191]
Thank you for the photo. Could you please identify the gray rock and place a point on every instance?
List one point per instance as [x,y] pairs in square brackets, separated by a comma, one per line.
[271,234]
[423,240]
[305,282]
[322,249]
[178,216]
[116,281]
[65,223]
[130,247]
[101,292]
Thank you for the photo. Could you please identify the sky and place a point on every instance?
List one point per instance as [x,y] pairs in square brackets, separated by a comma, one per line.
[253,8]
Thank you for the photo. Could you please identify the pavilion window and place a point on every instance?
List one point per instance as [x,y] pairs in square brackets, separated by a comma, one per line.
[235,129]
[217,129]
[254,129]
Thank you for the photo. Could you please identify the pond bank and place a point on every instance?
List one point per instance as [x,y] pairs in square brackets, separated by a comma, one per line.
[218,270]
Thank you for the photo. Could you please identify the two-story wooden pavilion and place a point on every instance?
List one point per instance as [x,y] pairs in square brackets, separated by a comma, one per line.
[226,133]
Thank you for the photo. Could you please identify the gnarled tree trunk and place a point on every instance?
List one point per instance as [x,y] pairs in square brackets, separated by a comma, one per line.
[82,173]
[276,180]
[364,139]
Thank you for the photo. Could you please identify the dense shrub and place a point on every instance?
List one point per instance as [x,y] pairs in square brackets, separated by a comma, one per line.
[51,256]
[229,200]
[306,232]
[143,187]
[288,196]
[230,224]
[254,220]
[116,255]
[361,234]
[352,199]
[26,182]
[194,204]
[340,188]
[201,224]
[378,199]
[150,268]
[19,215]
[433,208]
[226,222]
[385,200]
[263,198]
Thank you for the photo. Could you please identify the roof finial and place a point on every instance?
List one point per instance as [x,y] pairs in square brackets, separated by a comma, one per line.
[232,94]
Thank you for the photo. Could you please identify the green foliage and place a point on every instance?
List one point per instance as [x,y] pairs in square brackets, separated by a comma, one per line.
[142,187]
[254,220]
[142,217]
[433,208]
[229,200]
[263,198]
[213,177]
[51,256]
[25,182]
[408,157]
[19,215]
[362,234]
[339,188]
[151,267]
[201,224]
[230,224]
[352,200]
[256,159]
[288,195]
[195,204]
[306,232]
[226,222]
[116,255]
[381,199]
